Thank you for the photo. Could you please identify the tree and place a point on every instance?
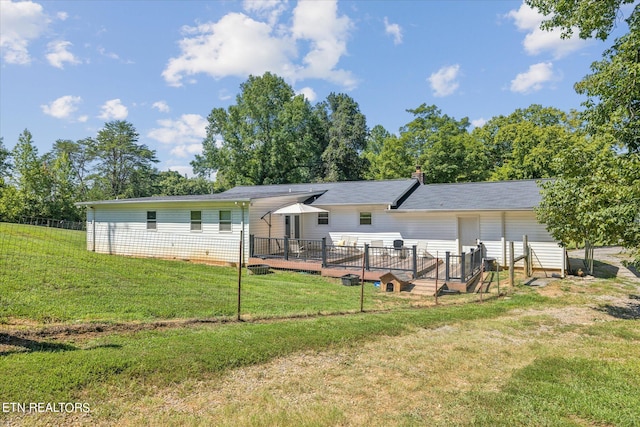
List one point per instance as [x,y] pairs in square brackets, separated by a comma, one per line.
[387,156]
[78,154]
[347,138]
[613,90]
[119,160]
[595,198]
[5,164]
[523,144]
[267,137]
[171,183]
[442,146]
[612,111]
[31,188]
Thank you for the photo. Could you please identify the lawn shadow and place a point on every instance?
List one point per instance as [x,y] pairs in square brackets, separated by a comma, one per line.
[629,311]
[601,270]
[31,345]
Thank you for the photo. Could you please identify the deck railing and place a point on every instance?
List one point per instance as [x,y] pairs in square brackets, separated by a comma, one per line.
[464,266]
[403,259]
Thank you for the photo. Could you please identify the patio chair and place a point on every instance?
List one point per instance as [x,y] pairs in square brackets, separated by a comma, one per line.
[295,248]
[378,248]
[421,249]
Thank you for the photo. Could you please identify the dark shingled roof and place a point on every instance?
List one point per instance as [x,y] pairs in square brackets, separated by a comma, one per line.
[327,193]
[388,192]
[475,196]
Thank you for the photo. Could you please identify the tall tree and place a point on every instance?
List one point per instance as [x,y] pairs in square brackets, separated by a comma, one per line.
[78,156]
[171,183]
[347,138]
[119,159]
[441,145]
[5,164]
[387,156]
[523,144]
[267,137]
[31,188]
[612,111]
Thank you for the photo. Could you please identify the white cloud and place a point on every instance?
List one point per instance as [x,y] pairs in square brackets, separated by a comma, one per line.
[184,151]
[537,41]
[477,123]
[443,82]
[102,51]
[63,107]
[308,93]
[269,9]
[58,54]
[20,23]
[534,79]
[62,16]
[113,110]
[239,45]
[161,106]
[188,130]
[393,29]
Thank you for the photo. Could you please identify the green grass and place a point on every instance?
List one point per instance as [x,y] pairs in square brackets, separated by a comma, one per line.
[59,373]
[47,275]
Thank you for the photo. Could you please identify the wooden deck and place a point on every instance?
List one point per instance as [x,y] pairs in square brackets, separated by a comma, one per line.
[425,284]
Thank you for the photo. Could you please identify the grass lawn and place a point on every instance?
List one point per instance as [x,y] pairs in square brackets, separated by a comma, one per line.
[561,355]
[48,276]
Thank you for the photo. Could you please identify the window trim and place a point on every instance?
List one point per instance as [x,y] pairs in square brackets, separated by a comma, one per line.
[152,223]
[366,216]
[196,224]
[325,217]
[224,223]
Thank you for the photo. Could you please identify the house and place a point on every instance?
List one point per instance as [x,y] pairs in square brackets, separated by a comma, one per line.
[444,218]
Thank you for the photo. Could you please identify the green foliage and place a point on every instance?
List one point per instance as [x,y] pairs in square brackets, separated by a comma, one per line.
[613,90]
[171,183]
[347,138]
[591,18]
[442,146]
[594,198]
[121,164]
[388,157]
[524,144]
[267,137]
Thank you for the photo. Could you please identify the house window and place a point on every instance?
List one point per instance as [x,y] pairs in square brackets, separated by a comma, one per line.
[196,220]
[323,218]
[365,218]
[225,220]
[151,220]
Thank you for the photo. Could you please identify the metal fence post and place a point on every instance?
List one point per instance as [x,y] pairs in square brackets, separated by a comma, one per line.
[447,257]
[240,274]
[324,252]
[286,248]
[414,258]
[366,257]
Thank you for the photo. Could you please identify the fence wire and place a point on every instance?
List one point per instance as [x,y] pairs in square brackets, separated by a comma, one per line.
[56,272]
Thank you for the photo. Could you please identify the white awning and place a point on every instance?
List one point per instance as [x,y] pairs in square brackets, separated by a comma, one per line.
[298,208]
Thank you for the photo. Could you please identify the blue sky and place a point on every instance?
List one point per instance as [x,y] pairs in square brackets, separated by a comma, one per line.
[67,67]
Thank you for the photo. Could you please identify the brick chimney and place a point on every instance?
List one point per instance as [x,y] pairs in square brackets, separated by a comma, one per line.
[418,174]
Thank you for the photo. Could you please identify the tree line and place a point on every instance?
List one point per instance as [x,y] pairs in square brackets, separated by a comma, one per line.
[270,135]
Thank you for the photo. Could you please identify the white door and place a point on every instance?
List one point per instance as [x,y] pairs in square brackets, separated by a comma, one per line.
[468,232]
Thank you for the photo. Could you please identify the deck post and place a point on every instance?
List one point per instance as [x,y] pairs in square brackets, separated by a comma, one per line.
[512,264]
[286,248]
[462,257]
[447,257]
[251,245]
[324,252]
[367,265]
[414,258]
